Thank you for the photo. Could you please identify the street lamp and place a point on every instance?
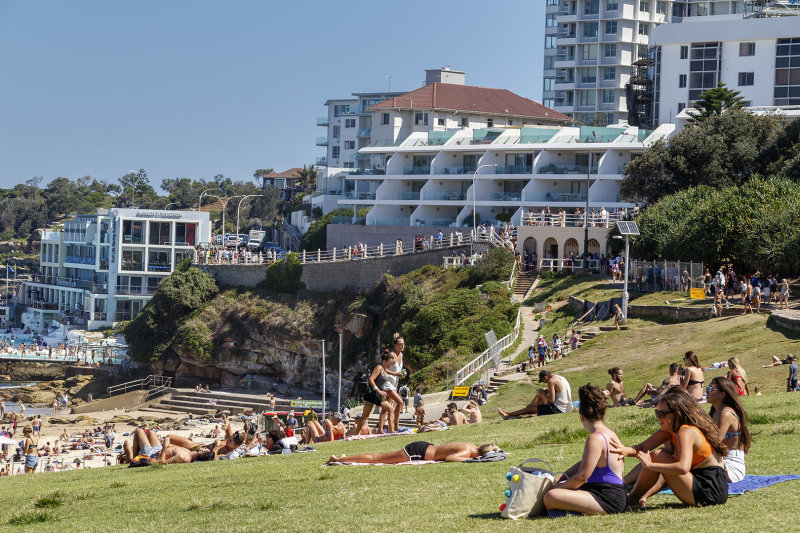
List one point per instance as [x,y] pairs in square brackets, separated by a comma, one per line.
[474,224]
[169,204]
[200,200]
[238,208]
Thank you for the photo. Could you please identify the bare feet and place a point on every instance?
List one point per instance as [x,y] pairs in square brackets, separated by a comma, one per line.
[502,413]
[335,459]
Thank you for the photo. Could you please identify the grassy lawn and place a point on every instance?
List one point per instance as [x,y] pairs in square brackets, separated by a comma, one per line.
[675,298]
[295,493]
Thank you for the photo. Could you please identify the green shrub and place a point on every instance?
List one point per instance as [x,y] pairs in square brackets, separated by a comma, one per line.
[284,275]
[496,264]
[196,338]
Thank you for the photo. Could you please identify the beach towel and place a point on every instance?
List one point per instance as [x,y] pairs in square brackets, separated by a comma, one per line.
[406,463]
[751,483]
[490,457]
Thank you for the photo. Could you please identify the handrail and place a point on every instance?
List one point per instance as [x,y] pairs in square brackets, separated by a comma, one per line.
[151,380]
[479,362]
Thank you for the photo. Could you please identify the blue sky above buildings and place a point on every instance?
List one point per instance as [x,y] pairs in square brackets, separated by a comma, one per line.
[193,88]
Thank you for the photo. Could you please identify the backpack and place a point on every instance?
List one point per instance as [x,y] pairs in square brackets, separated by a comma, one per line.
[362,387]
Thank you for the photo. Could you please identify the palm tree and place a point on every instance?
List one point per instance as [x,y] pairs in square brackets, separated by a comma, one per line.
[307,177]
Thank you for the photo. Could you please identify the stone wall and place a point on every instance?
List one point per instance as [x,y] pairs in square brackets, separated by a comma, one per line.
[353,275]
[128,400]
[343,235]
[644,311]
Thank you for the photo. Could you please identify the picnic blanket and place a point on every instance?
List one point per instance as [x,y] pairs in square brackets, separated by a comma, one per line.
[490,457]
[405,463]
[751,483]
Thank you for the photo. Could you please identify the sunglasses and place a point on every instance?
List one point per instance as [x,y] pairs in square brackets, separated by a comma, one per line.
[661,414]
[711,389]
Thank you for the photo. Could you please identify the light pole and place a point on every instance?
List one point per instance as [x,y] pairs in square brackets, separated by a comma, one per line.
[200,199]
[474,224]
[169,204]
[245,197]
[323,378]
[586,211]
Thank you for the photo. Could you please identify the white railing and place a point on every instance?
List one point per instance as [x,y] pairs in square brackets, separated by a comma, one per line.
[557,265]
[479,362]
[571,220]
[149,381]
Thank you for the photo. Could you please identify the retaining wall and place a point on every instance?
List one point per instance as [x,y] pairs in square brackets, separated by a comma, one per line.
[129,400]
[645,311]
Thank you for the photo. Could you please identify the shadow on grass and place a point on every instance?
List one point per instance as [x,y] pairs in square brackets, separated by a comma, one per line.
[773,325]
[488,516]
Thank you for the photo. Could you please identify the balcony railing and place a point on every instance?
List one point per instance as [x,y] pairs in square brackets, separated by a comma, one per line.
[417,170]
[444,195]
[566,35]
[158,267]
[565,169]
[131,239]
[349,220]
[368,172]
[50,235]
[322,121]
[128,291]
[554,197]
[353,195]
[132,266]
[79,260]
[322,141]
[514,169]
[365,133]
[392,221]
[408,195]
[434,221]
[322,161]
[453,170]
[506,196]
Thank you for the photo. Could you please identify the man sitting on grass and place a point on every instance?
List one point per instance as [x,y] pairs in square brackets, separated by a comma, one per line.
[673,380]
[615,389]
[330,430]
[556,398]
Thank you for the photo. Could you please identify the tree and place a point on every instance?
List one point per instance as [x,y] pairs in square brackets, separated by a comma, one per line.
[137,191]
[307,177]
[714,102]
[259,174]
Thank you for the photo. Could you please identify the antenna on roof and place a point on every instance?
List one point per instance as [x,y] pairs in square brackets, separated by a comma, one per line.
[388,77]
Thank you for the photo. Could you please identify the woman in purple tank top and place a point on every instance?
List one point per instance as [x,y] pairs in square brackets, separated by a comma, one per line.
[594,485]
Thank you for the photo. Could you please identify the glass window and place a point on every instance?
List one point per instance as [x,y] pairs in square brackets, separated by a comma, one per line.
[336,131]
[158,261]
[549,62]
[684,52]
[385,118]
[132,232]
[590,29]
[489,122]
[440,121]
[587,98]
[644,5]
[420,118]
[349,145]
[590,51]
[160,233]
[349,123]
[611,26]
[747,49]
[661,7]
[334,152]
[186,233]
[610,50]
[588,75]
[644,28]
[612,5]
[133,260]
[610,73]
[180,255]
[609,96]
[548,84]
[746,78]
[591,7]
[549,41]
[152,284]
[551,20]
[464,122]
[682,80]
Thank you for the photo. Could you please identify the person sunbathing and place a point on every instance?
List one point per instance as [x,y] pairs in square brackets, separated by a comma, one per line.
[556,398]
[674,379]
[778,362]
[452,452]
[328,431]
[615,390]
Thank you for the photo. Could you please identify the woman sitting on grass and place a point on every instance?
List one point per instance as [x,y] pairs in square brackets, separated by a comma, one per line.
[729,416]
[593,485]
[738,376]
[693,470]
[693,378]
[452,452]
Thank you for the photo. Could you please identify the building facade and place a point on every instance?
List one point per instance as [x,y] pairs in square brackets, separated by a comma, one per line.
[103,268]
[757,56]
[596,54]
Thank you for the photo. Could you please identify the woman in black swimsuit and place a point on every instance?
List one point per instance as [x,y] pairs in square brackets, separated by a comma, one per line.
[693,378]
[421,451]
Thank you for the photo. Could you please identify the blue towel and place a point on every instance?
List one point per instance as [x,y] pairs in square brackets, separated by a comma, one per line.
[751,483]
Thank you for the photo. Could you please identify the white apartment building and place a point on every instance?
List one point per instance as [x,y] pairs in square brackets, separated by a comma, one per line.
[596,52]
[757,56]
[104,268]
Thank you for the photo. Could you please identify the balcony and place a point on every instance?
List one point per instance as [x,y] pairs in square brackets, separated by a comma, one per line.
[322,121]
[444,195]
[353,195]
[368,172]
[434,221]
[566,35]
[554,197]
[132,239]
[79,260]
[50,235]
[43,305]
[408,195]
[391,221]
[355,221]
[76,318]
[506,196]
[322,141]
[514,169]
[417,170]
[453,170]
[132,266]
[365,133]
[128,291]
[321,161]
[158,267]
[565,169]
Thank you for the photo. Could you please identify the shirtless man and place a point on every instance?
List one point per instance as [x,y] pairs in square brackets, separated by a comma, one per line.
[556,398]
[673,380]
[456,417]
[173,453]
[328,431]
[365,429]
[616,389]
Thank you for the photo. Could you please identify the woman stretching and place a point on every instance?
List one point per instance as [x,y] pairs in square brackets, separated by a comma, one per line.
[453,452]
[729,416]
[693,378]
[594,484]
[693,470]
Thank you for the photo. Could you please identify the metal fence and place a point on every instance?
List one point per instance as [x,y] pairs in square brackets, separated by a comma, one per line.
[655,276]
[487,356]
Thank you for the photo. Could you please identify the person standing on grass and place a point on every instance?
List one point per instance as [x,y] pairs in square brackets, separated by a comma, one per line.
[791,381]
[748,297]
[541,345]
[531,356]
[618,317]
[756,298]
[394,373]
[594,485]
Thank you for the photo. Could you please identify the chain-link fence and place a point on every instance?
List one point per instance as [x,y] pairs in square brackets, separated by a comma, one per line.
[654,276]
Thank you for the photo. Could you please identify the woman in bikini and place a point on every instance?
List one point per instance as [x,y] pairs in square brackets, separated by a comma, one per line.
[694,468]
[30,451]
[693,378]
[739,377]
[452,452]
[729,416]
[594,484]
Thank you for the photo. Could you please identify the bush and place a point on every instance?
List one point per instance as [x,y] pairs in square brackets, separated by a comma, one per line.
[316,211]
[316,236]
[284,275]
[196,338]
[496,264]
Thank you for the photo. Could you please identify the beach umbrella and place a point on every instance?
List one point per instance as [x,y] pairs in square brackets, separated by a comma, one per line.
[6,440]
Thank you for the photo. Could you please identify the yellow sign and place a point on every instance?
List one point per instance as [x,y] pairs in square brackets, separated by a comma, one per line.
[697,294]
[460,392]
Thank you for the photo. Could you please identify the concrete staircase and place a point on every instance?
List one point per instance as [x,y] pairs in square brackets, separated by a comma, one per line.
[202,403]
[523,283]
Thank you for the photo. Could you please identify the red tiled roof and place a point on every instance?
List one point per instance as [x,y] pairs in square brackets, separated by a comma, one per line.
[291,173]
[468,98]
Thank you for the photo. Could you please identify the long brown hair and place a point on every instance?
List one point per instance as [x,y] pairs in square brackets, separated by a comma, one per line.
[734,364]
[692,357]
[687,412]
[731,400]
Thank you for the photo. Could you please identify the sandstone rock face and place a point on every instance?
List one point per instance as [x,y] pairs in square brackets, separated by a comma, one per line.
[267,357]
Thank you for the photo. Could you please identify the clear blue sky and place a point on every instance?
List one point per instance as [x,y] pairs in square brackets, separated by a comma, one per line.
[193,88]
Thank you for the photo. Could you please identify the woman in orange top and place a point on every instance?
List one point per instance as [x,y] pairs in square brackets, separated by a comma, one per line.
[693,467]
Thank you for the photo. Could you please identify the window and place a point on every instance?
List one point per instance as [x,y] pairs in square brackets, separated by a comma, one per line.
[548,84]
[747,49]
[787,72]
[587,98]
[385,118]
[610,50]
[133,260]
[644,5]
[336,131]
[349,164]
[133,232]
[153,281]
[589,51]
[552,2]
[549,42]
[349,123]
[611,26]
[704,68]
[661,7]
[588,75]
[185,233]
[684,52]
[339,110]
[158,261]
[590,29]
[748,103]
[549,62]
[489,122]
[612,5]
[610,73]
[609,96]
[746,78]
[682,80]
[464,122]
[644,28]
[420,118]
[334,152]
[681,107]
[160,233]
[510,122]
[440,121]
[551,20]
[349,145]
[591,7]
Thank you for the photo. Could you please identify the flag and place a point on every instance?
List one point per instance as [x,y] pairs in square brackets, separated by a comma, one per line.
[9,269]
